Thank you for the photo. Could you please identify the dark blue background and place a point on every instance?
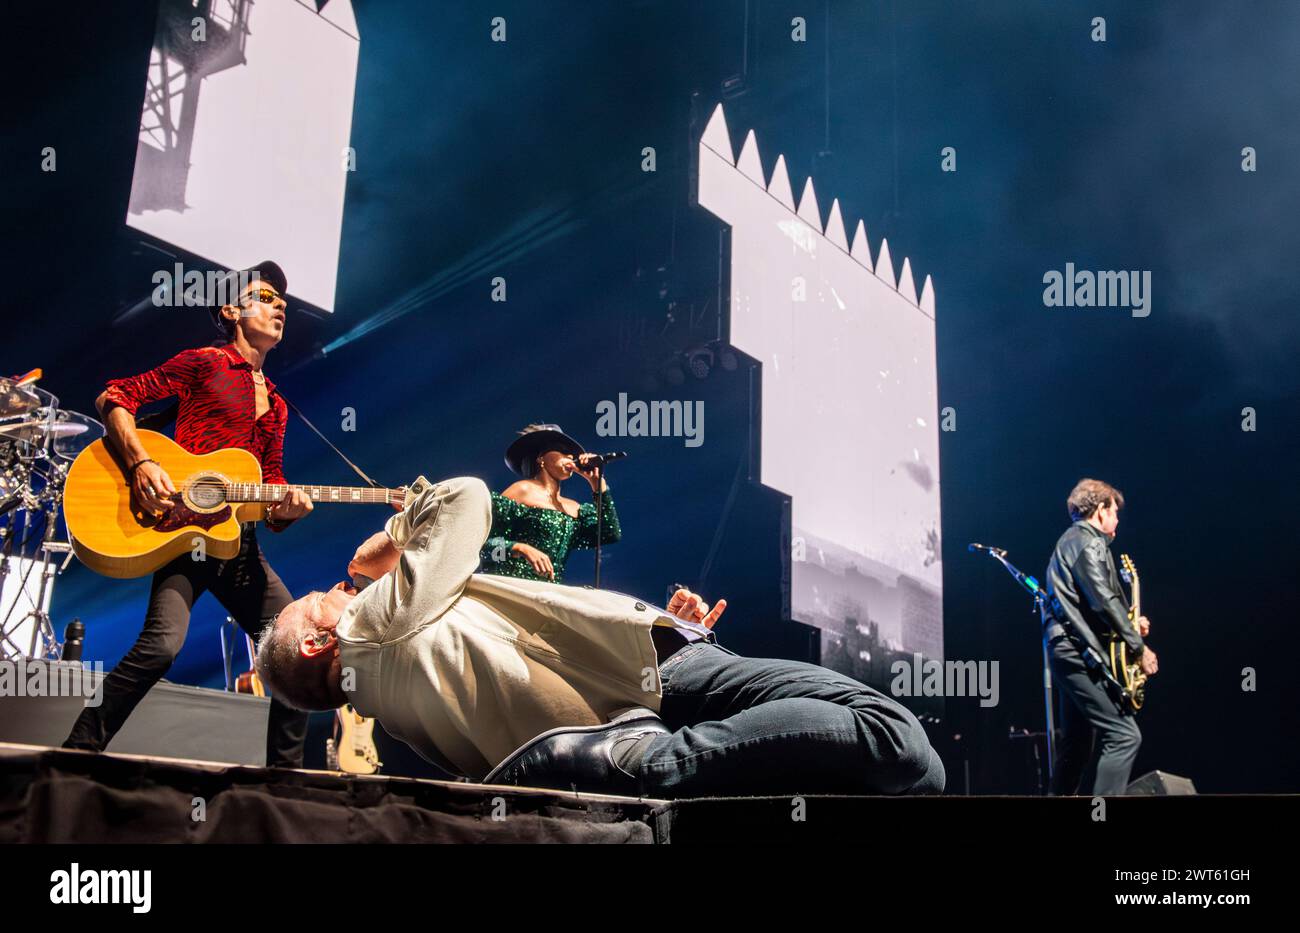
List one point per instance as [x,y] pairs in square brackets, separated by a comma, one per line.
[522,159]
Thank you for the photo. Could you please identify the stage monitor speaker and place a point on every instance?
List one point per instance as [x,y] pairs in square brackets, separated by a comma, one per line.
[1159,784]
[172,721]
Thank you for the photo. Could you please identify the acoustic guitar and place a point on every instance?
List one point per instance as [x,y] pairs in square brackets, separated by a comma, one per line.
[112,534]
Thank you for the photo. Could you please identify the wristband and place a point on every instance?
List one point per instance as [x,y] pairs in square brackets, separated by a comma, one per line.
[130,471]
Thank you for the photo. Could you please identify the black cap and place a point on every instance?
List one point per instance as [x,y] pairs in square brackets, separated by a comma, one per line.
[226,289]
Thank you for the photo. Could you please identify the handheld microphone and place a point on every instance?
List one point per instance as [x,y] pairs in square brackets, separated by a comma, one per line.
[602,459]
[1000,551]
[361,581]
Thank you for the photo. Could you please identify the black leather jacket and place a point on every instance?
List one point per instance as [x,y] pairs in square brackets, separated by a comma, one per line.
[1082,577]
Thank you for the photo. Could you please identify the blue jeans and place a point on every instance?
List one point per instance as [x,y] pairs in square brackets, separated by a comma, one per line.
[754,727]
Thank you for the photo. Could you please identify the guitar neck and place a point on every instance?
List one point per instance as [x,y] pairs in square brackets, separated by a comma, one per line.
[274,492]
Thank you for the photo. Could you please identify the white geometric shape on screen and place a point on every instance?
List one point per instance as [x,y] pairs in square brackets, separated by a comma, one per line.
[341,15]
[835,227]
[808,211]
[885,266]
[856,389]
[750,165]
[927,297]
[861,248]
[905,286]
[716,136]
[779,187]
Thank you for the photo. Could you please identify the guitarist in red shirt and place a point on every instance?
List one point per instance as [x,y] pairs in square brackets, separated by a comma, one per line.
[224,401]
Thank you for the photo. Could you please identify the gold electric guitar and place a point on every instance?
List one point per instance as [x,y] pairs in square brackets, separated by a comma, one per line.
[112,534]
[1129,673]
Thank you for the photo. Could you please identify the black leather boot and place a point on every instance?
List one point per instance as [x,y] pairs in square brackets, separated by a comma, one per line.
[589,759]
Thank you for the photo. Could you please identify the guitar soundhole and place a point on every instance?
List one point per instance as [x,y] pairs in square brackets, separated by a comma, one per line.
[207,492]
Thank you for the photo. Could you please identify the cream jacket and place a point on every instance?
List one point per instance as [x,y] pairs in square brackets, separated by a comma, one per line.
[466,667]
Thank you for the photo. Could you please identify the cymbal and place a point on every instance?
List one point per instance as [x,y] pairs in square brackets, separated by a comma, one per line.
[37,429]
[16,399]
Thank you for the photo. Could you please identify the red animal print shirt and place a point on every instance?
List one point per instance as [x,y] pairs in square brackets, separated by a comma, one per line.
[218,404]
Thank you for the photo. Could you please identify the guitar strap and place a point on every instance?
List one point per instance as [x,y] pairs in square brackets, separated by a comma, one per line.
[342,456]
[1093,659]
[158,420]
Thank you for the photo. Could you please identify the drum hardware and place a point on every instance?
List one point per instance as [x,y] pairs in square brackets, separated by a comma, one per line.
[43,643]
[33,430]
[38,442]
[16,398]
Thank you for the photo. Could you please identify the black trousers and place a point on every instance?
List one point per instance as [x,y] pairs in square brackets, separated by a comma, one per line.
[1098,743]
[757,727]
[250,591]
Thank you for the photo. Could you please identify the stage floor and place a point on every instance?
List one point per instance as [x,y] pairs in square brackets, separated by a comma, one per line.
[52,795]
[63,796]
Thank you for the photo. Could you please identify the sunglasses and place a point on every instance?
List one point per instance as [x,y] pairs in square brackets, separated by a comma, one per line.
[264,295]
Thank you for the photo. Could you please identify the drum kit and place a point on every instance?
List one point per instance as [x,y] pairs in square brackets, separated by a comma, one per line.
[38,442]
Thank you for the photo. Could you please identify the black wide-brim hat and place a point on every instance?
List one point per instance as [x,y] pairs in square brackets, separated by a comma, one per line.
[537,439]
[226,290]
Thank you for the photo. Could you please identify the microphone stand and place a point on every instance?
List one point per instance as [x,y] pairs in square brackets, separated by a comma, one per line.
[601,463]
[1042,602]
[1031,586]
[600,514]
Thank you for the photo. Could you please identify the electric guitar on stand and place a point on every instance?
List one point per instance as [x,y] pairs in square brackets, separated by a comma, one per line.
[113,535]
[352,747]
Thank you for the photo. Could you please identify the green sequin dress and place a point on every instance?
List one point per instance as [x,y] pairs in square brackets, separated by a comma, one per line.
[550,530]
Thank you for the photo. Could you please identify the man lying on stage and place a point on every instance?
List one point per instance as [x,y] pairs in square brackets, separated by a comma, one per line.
[467,668]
